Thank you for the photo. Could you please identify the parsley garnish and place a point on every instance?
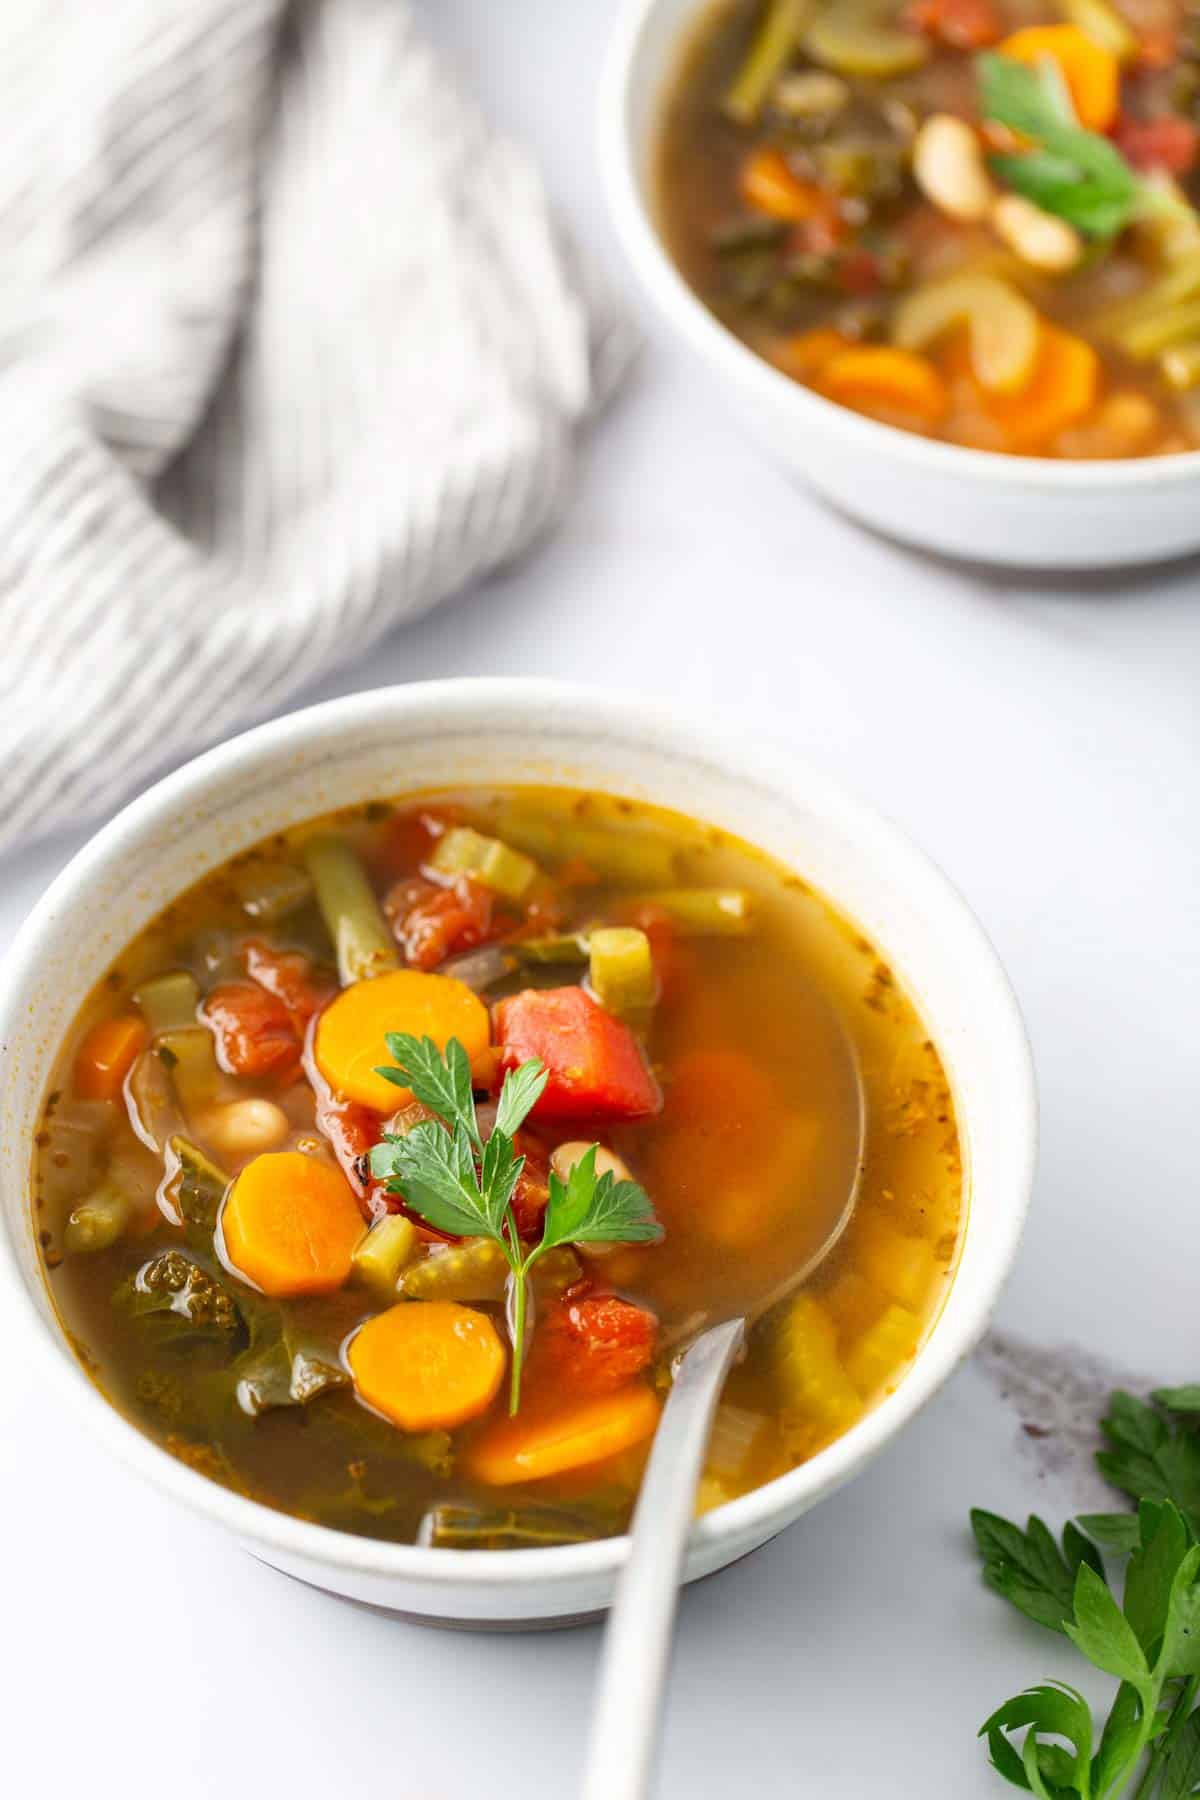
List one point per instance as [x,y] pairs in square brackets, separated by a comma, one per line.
[463,1186]
[1073,173]
[1149,1640]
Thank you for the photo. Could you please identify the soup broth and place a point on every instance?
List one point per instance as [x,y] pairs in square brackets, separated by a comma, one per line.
[204,1186]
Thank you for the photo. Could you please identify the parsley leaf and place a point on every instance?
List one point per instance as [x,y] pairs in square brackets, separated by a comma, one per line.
[1180,1778]
[1151,1457]
[1028,1568]
[1076,174]
[463,1186]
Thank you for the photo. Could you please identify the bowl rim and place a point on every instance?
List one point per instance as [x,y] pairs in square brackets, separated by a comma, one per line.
[655,730]
[632,212]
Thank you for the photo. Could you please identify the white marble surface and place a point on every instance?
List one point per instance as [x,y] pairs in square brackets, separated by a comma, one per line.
[1041,741]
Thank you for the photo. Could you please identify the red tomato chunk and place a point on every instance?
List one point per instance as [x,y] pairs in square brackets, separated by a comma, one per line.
[431,923]
[1169,143]
[254,1030]
[596,1069]
[594,1345]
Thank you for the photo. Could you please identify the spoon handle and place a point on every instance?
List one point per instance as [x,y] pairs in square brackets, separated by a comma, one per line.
[627,1718]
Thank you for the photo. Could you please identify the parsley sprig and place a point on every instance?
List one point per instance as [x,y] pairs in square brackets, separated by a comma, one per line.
[1149,1639]
[1076,174]
[465,1186]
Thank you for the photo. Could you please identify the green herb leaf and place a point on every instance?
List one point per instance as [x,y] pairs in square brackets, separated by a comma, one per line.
[1150,1457]
[435,1170]
[1179,1399]
[1076,174]
[522,1090]
[1116,1531]
[1103,1633]
[1027,1568]
[592,1209]
[441,1082]
[1121,1740]
[1150,1577]
[1180,1778]
[1050,1709]
[1181,1639]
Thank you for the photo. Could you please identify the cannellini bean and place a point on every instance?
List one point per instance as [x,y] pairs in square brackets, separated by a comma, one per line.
[244,1127]
[564,1158]
[949,169]
[1037,237]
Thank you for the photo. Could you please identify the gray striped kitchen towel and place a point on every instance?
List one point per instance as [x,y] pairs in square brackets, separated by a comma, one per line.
[289,350]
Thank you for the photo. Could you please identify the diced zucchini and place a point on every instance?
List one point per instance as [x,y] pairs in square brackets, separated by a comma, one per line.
[270,890]
[169,1002]
[901,1267]
[98,1222]
[383,1252]
[492,862]
[621,970]
[817,1397]
[884,1349]
[738,1436]
[361,938]
[191,1058]
[703,912]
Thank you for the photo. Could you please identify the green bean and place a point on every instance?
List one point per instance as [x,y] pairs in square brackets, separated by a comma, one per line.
[364,944]
[491,861]
[270,890]
[169,1002]
[703,912]
[630,858]
[1173,325]
[383,1252]
[621,971]
[460,1526]
[569,947]
[99,1221]
[770,50]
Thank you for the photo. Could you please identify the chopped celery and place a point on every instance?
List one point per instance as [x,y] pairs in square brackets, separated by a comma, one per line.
[191,1058]
[383,1252]
[1181,282]
[884,1349]
[703,912]
[491,861]
[461,1526]
[270,890]
[169,1002]
[621,970]
[363,943]
[769,53]
[816,1395]
[1161,330]
[99,1221]
[738,1435]
[193,1187]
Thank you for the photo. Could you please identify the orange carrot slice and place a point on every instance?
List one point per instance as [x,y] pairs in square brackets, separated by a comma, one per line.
[897,386]
[1091,72]
[428,1365]
[107,1054]
[540,1443]
[769,186]
[351,1032]
[290,1225]
[806,354]
[1063,388]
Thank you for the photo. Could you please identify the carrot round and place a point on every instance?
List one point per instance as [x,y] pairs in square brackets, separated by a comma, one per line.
[806,353]
[107,1054]
[1091,72]
[290,1225]
[428,1365]
[1062,389]
[539,1444]
[351,1032]
[886,383]
[769,186]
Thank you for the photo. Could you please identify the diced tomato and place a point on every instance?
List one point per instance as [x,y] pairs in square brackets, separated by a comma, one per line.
[592,1345]
[533,1189]
[595,1066]
[291,977]
[254,1030]
[1167,143]
[410,836]
[431,923]
[962,24]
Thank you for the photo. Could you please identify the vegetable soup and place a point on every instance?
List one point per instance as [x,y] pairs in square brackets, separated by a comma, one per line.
[973,219]
[388,1171]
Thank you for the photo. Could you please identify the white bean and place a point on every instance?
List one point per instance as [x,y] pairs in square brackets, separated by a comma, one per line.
[949,169]
[1037,237]
[244,1127]
[564,1158]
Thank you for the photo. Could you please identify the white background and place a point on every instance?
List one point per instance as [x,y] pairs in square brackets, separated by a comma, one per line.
[1041,740]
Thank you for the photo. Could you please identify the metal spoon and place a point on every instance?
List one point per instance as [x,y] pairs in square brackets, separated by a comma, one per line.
[627,1718]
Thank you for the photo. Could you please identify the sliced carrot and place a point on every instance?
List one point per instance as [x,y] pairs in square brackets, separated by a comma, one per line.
[538,1443]
[351,1032]
[769,186]
[1064,387]
[806,354]
[107,1054]
[290,1225]
[895,385]
[1091,72]
[428,1365]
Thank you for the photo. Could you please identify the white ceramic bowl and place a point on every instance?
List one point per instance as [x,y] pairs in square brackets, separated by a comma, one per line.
[518,731]
[1004,509]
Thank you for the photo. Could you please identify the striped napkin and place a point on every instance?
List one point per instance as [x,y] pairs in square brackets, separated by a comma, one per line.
[289,350]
